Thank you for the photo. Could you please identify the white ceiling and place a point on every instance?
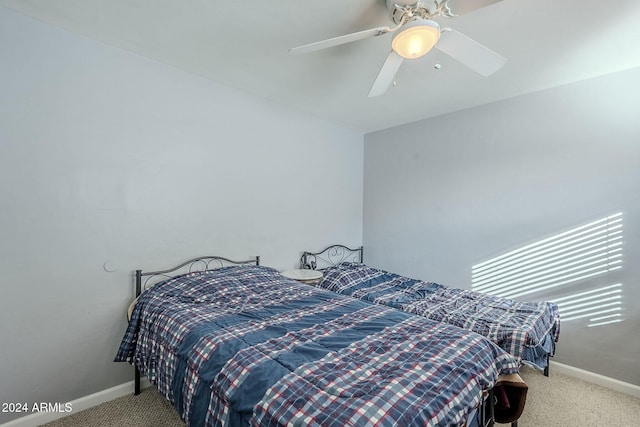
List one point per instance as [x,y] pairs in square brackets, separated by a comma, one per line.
[244,44]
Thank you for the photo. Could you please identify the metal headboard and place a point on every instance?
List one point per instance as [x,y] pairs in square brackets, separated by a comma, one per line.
[204,263]
[332,255]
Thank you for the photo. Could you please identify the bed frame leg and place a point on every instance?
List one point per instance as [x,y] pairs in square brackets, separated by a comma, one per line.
[137,382]
[489,421]
[546,368]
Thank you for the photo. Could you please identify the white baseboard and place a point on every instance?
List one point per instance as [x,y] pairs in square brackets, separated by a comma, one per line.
[594,378]
[38,418]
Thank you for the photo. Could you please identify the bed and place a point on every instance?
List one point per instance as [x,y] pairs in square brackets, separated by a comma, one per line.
[529,331]
[239,345]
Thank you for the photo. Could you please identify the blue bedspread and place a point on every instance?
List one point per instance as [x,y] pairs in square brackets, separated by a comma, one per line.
[526,330]
[245,346]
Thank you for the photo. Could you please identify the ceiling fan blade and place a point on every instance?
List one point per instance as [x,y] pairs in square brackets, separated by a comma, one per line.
[460,7]
[386,74]
[373,32]
[469,52]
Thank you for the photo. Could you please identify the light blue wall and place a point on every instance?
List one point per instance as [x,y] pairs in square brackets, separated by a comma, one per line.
[107,156]
[444,194]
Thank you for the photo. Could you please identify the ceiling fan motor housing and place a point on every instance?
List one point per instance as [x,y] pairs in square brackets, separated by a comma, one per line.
[399,9]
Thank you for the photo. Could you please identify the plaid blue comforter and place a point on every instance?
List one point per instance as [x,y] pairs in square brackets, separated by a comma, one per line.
[246,346]
[517,327]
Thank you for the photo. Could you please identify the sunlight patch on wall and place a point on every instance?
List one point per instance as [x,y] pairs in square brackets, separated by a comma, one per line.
[583,252]
[601,306]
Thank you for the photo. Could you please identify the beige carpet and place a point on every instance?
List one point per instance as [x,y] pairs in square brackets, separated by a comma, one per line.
[559,400]
[563,401]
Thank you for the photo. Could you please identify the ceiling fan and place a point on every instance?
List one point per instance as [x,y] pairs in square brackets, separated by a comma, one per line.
[416,33]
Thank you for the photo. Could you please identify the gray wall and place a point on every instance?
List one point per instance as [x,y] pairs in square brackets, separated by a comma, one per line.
[444,194]
[107,156]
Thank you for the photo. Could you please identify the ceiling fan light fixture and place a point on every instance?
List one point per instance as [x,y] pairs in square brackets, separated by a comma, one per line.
[416,38]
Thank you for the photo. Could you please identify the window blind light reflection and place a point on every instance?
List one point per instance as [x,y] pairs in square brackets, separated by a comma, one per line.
[601,306]
[587,251]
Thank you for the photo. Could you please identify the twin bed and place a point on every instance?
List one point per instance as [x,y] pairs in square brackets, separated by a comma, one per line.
[238,344]
[527,330]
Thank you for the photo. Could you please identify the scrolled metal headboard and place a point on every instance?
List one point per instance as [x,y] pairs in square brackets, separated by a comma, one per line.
[332,255]
[203,263]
